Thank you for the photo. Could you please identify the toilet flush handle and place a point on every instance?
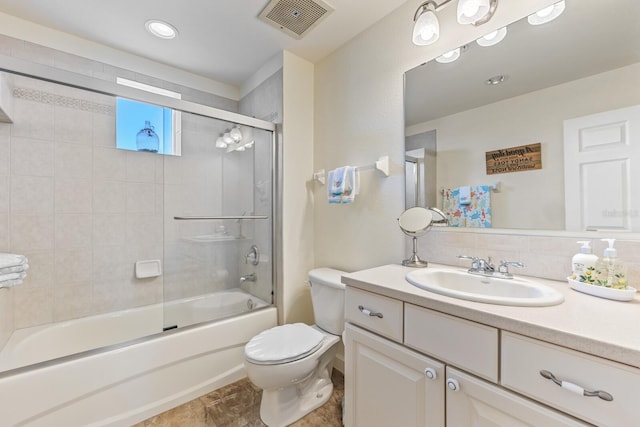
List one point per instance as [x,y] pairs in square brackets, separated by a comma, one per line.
[368,312]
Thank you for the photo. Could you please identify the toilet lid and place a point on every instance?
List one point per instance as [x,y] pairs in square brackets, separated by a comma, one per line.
[283,344]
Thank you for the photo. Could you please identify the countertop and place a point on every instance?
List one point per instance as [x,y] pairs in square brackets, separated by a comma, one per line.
[601,327]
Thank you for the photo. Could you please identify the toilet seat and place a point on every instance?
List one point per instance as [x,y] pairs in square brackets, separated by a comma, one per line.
[283,344]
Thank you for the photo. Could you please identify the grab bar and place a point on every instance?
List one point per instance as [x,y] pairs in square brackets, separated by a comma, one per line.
[198,218]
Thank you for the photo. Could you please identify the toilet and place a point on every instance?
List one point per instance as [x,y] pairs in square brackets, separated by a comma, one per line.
[292,363]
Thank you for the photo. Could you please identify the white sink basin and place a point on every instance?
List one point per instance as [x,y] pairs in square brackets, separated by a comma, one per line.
[491,290]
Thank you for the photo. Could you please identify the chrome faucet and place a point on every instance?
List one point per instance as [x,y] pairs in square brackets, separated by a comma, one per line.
[483,267]
[503,269]
[248,278]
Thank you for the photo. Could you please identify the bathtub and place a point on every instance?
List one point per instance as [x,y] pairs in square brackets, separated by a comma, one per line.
[127,381]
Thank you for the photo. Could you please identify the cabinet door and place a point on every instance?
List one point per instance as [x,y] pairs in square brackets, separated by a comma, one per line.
[389,385]
[472,402]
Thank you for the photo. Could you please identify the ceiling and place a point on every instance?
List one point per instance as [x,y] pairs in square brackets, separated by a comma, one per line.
[219,39]
[588,38]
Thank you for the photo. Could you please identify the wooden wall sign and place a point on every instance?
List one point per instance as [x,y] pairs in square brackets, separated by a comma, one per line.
[514,159]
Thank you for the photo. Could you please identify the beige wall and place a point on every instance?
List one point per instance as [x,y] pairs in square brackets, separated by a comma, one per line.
[532,199]
[297,200]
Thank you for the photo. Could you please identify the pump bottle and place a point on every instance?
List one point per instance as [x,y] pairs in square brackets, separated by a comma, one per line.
[612,272]
[583,263]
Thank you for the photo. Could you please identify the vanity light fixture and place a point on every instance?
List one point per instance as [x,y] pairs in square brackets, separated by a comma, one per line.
[220,143]
[426,28]
[238,138]
[476,12]
[547,14]
[161,29]
[448,57]
[493,38]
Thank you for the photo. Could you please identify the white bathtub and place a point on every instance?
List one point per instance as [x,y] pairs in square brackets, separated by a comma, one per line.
[126,383]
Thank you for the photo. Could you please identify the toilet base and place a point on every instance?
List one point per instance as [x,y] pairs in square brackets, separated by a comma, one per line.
[279,408]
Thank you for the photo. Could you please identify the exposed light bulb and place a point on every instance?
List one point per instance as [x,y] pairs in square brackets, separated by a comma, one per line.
[220,143]
[472,11]
[448,57]
[547,14]
[235,134]
[470,8]
[426,30]
[493,38]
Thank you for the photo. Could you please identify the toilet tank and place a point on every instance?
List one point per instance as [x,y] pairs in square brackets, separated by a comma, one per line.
[327,296]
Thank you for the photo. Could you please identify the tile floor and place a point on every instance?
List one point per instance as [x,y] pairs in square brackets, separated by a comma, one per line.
[238,405]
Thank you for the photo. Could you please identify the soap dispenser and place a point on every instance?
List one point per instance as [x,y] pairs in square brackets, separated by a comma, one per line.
[612,272]
[583,263]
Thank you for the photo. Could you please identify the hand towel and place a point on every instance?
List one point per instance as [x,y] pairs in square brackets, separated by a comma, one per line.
[351,184]
[16,269]
[11,260]
[12,276]
[342,184]
[10,283]
[464,195]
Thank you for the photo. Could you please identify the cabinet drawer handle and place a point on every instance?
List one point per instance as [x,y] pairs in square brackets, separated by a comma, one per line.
[576,388]
[368,312]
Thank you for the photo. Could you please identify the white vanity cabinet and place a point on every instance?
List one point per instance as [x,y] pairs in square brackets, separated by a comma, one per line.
[599,391]
[388,385]
[441,370]
[471,401]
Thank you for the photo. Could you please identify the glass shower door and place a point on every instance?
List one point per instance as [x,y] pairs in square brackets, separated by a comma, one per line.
[218,236]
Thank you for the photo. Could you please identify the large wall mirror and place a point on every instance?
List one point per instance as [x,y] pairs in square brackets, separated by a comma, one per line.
[552,144]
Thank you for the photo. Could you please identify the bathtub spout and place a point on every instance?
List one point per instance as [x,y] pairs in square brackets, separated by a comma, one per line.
[248,278]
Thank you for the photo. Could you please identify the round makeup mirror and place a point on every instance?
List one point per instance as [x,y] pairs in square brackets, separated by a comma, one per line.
[415,222]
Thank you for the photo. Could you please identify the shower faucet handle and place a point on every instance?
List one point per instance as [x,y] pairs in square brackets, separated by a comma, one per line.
[253,256]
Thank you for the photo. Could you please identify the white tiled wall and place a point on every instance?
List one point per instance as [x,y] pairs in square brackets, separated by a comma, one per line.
[81,227]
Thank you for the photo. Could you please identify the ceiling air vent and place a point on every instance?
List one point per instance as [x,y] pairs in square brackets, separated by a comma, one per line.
[295,17]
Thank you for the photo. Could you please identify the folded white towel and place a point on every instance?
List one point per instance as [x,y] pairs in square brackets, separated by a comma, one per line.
[10,283]
[16,269]
[11,276]
[12,260]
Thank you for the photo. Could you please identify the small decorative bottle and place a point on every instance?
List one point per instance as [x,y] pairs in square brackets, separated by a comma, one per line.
[611,271]
[147,139]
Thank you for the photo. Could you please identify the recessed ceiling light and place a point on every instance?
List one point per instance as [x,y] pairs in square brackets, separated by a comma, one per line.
[161,29]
